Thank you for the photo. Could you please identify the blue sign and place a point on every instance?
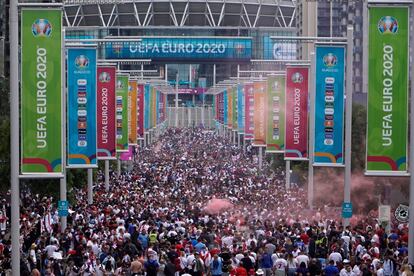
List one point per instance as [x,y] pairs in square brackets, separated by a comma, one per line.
[329,105]
[279,50]
[146,107]
[225,107]
[240,108]
[81,107]
[63,207]
[183,48]
[347,210]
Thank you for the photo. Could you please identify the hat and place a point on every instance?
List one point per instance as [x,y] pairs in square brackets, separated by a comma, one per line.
[346,261]
[259,272]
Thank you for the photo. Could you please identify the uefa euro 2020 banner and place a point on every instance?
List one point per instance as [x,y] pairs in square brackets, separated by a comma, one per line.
[329,105]
[234,105]
[296,128]
[140,111]
[230,107]
[105,109]
[122,113]
[146,108]
[240,108]
[41,92]
[387,90]
[132,110]
[225,108]
[259,138]
[275,135]
[248,111]
[81,103]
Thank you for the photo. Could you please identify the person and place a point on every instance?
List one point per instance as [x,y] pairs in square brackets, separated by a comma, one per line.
[151,267]
[170,268]
[266,263]
[292,264]
[281,266]
[303,258]
[347,270]
[198,265]
[136,267]
[331,269]
[335,256]
[302,270]
[216,266]
[389,266]
[406,271]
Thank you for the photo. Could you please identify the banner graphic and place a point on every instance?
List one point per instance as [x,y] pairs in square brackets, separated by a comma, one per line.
[132,111]
[259,88]
[121,113]
[275,135]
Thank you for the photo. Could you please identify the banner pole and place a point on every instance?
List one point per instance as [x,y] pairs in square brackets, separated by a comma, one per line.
[119,165]
[348,120]
[176,100]
[311,129]
[14,136]
[63,181]
[260,158]
[287,175]
[106,175]
[90,186]
[411,164]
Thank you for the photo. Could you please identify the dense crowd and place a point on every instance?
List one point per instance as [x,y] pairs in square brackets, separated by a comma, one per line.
[194,204]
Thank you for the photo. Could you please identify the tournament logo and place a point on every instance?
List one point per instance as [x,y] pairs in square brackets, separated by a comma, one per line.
[330,60]
[81,62]
[104,77]
[388,25]
[275,85]
[297,77]
[41,27]
[401,213]
[119,85]
[239,48]
[117,48]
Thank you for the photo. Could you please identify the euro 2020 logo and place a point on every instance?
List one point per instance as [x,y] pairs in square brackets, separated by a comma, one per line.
[388,25]
[104,77]
[330,60]
[119,85]
[297,77]
[82,62]
[41,27]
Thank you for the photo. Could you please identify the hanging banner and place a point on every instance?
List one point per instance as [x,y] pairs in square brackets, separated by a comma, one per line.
[146,108]
[225,108]
[132,111]
[388,61]
[121,113]
[240,108]
[296,133]
[329,105]
[259,138]
[127,156]
[41,92]
[106,112]
[230,108]
[234,106]
[275,135]
[81,108]
[249,111]
[140,111]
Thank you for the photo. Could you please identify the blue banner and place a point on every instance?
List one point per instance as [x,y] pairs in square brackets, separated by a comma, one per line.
[240,108]
[81,108]
[225,108]
[279,50]
[146,107]
[329,105]
[183,48]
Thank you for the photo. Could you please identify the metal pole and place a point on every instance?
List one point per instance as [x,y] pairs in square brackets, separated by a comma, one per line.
[348,119]
[189,117]
[183,114]
[234,133]
[63,219]
[287,174]
[260,158]
[176,100]
[90,186]
[238,140]
[63,184]
[411,203]
[202,110]
[311,130]
[106,175]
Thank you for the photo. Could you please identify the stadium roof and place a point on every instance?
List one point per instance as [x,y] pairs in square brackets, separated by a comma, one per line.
[180,13]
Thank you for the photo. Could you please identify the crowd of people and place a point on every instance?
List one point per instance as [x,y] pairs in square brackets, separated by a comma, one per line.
[160,219]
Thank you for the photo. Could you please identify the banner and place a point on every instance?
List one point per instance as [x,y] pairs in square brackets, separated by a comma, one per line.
[240,108]
[81,108]
[132,111]
[121,113]
[388,61]
[41,92]
[146,108]
[259,113]
[106,112]
[225,107]
[329,105]
[234,106]
[128,155]
[275,136]
[230,107]
[249,111]
[296,133]
[140,111]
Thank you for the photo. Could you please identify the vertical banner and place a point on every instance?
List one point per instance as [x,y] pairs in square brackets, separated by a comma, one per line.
[259,138]
[249,111]
[81,108]
[122,113]
[240,108]
[41,92]
[230,107]
[296,112]
[132,110]
[275,135]
[140,111]
[225,107]
[234,106]
[127,156]
[329,105]
[146,108]
[105,109]
[388,61]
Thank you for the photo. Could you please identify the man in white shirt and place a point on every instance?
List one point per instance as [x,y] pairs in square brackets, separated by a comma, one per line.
[280,265]
[335,256]
[347,270]
[302,258]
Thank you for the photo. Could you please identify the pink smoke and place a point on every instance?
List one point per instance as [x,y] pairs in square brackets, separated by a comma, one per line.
[217,205]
